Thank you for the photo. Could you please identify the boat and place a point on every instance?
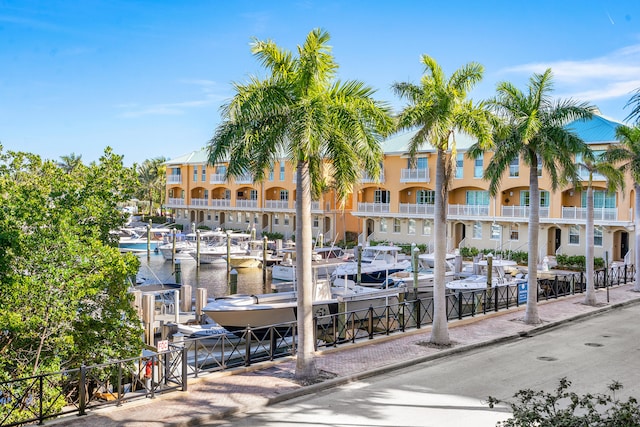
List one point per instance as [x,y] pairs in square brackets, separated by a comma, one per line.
[134,239]
[425,276]
[187,243]
[237,312]
[323,261]
[254,256]
[499,277]
[216,252]
[377,263]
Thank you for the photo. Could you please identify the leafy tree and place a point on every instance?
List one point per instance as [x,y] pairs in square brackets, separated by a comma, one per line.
[439,108]
[64,298]
[615,179]
[152,177]
[634,102]
[70,162]
[323,126]
[627,156]
[565,408]
[533,129]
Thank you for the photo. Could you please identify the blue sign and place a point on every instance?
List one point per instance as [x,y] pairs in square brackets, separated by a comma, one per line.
[522,292]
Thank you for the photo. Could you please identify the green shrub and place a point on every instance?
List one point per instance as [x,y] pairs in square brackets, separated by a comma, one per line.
[273,236]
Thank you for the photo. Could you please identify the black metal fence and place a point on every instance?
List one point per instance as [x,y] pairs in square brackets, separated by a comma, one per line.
[74,391]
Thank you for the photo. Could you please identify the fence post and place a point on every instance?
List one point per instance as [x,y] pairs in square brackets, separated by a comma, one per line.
[495,297]
[185,367]
[120,379]
[370,322]
[315,334]
[41,400]
[82,390]
[460,304]
[247,347]
[416,307]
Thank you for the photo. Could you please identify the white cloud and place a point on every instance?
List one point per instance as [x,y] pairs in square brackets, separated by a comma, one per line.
[606,77]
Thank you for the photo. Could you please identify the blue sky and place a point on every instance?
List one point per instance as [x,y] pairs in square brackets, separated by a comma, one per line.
[148,77]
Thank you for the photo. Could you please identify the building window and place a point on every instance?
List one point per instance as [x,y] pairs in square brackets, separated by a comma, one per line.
[477,230]
[396,225]
[204,174]
[419,163]
[539,166]
[286,219]
[478,168]
[412,226]
[381,196]
[316,221]
[206,194]
[239,217]
[513,232]
[459,165]
[281,170]
[425,197]
[574,235]
[221,170]
[253,195]
[601,199]
[426,227]
[195,174]
[216,217]
[544,198]
[284,195]
[171,193]
[247,218]
[208,216]
[597,236]
[383,225]
[276,219]
[271,173]
[496,231]
[182,194]
[477,198]
[514,167]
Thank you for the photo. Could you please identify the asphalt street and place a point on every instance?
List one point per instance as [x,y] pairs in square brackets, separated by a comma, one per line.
[452,391]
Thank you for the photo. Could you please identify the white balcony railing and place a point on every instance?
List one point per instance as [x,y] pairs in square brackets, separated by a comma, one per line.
[277,204]
[414,175]
[175,202]
[416,208]
[241,203]
[366,178]
[374,207]
[174,179]
[199,202]
[599,214]
[522,212]
[244,179]
[217,178]
[468,210]
[221,203]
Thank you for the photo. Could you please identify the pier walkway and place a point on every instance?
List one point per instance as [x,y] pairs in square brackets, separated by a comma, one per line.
[220,395]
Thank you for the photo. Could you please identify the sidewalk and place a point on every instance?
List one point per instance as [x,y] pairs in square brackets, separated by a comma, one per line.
[220,395]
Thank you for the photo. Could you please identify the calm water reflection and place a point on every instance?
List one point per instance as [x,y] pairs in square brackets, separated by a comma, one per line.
[155,269]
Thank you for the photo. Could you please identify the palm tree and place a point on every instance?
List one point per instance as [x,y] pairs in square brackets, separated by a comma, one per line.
[152,177]
[69,162]
[615,179]
[321,125]
[533,129]
[439,108]
[634,102]
[627,155]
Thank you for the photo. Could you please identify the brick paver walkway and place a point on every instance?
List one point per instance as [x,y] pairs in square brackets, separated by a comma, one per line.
[219,395]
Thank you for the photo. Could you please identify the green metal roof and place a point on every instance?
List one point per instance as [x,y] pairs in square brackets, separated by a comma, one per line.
[193,158]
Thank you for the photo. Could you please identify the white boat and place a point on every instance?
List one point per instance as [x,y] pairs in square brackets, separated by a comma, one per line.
[324,261]
[135,239]
[378,262]
[237,312]
[254,256]
[499,277]
[216,253]
[425,276]
[187,243]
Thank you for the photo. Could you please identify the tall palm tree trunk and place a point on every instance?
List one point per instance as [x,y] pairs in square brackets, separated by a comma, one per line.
[305,362]
[636,214]
[440,331]
[531,313]
[590,297]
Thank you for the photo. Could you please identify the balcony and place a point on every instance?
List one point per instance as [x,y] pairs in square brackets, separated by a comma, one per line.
[468,210]
[174,179]
[315,206]
[217,178]
[221,203]
[414,175]
[198,202]
[599,214]
[241,203]
[366,178]
[277,204]
[175,202]
[416,209]
[374,207]
[244,179]
[522,212]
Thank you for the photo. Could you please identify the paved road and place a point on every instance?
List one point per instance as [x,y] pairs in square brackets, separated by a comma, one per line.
[451,391]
